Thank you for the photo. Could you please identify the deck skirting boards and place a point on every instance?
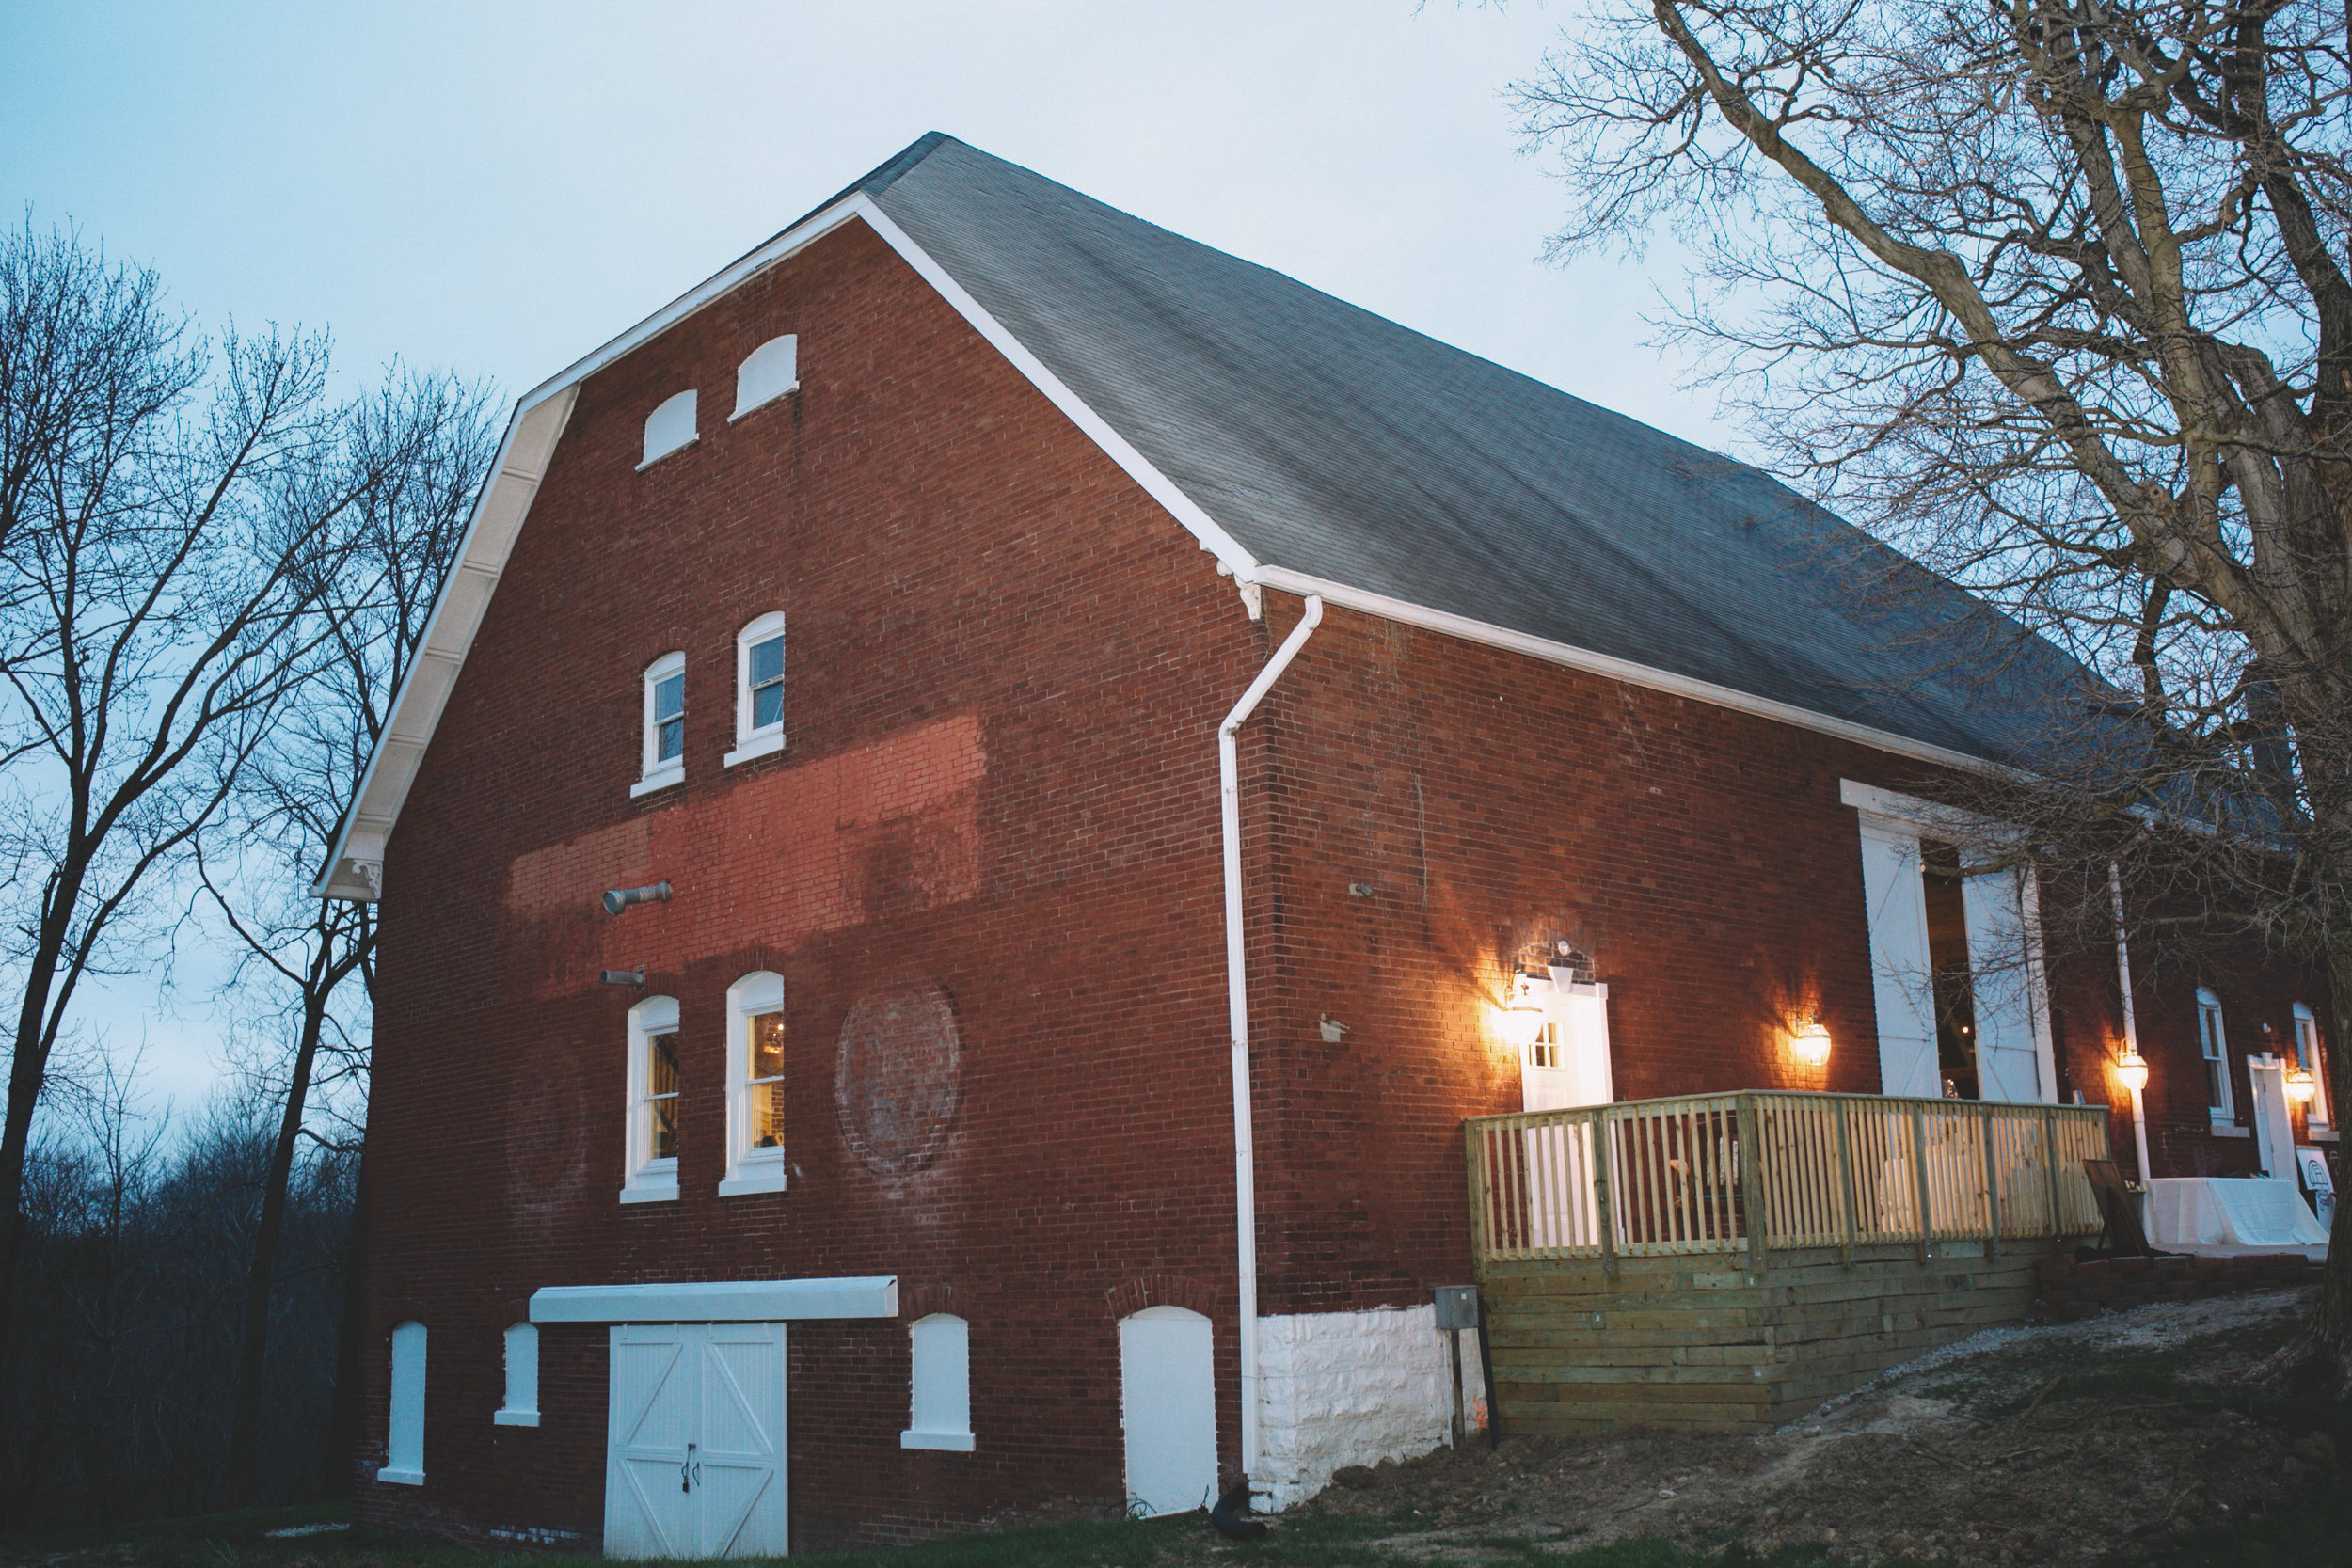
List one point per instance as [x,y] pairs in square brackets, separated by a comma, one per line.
[1697,1341]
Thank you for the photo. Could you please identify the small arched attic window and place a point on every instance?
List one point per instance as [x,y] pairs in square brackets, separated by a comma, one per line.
[669,427]
[772,369]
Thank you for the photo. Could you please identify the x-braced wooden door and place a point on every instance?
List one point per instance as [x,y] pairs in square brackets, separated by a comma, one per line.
[694,1466]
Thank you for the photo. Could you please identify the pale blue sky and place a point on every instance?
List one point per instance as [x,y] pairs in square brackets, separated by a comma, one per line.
[499,187]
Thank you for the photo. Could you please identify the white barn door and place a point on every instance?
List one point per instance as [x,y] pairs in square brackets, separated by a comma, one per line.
[1168,1406]
[694,1464]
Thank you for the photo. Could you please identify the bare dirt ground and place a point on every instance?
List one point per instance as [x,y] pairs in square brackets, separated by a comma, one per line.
[2057,1445]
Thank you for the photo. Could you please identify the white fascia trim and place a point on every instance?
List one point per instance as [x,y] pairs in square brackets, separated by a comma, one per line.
[1156,484]
[1492,636]
[515,1418]
[756,1301]
[953,1442]
[1911,811]
[416,710]
[758,746]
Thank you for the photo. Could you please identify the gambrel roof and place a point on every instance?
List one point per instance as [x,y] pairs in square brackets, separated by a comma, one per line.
[1316,448]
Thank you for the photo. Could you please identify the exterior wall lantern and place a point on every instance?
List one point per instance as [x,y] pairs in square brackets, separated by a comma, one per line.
[2300,1085]
[1523,1018]
[1810,1044]
[2131,1070]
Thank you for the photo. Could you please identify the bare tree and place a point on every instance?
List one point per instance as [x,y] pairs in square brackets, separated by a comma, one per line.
[425,442]
[175,517]
[2052,295]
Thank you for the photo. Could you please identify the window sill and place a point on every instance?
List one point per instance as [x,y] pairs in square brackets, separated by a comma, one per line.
[400,1478]
[650,1192]
[652,782]
[773,396]
[2231,1130]
[953,1442]
[2326,1135]
[753,1180]
[515,1418]
[667,452]
[758,746]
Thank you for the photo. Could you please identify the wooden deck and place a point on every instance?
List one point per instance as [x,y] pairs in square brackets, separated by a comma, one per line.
[1882,1228]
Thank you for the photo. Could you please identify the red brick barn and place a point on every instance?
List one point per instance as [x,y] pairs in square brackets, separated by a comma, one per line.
[990,789]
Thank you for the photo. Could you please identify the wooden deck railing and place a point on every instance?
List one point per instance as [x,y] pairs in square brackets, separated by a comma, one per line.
[1768,1170]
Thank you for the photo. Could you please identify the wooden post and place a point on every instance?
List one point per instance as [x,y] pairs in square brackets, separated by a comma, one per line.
[1992,1185]
[2049,1166]
[1845,1172]
[1919,1170]
[1604,1156]
[1752,1186]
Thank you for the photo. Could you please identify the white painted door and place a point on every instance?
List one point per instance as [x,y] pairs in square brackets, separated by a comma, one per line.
[694,1464]
[2274,1134]
[1168,1407]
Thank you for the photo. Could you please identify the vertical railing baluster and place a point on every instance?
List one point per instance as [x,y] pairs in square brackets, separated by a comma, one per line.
[1751,1184]
[1919,1169]
[2049,1168]
[1604,1158]
[1989,1120]
[1845,1167]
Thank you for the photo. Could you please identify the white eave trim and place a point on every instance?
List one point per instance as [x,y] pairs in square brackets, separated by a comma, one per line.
[734,1301]
[354,868]
[1285,581]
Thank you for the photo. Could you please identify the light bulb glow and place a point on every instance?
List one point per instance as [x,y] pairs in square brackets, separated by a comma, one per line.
[2131,1070]
[2300,1085]
[1810,1044]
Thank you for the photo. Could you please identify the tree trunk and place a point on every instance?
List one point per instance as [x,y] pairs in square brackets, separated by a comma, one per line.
[342,1417]
[244,1428]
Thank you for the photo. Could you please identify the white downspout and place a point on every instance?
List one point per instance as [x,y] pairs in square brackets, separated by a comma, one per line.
[2131,1026]
[1237,1010]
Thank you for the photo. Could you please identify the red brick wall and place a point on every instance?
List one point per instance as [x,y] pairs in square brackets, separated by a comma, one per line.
[1004,669]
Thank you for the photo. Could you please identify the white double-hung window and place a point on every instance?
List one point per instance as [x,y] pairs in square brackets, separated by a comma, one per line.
[651,1138]
[754,1084]
[758,688]
[663,746]
[2214,1046]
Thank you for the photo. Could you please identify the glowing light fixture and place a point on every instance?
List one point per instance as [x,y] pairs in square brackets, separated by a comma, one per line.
[1524,1019]
[2132,1069]
[1810,1044]
[2300,1085]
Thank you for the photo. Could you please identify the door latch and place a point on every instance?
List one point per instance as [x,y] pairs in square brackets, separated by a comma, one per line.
[686,1471]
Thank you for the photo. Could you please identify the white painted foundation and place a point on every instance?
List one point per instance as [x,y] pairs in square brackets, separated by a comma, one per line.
[1344,1388]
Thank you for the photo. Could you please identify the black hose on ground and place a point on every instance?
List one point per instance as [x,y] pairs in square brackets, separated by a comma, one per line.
[1226,1517]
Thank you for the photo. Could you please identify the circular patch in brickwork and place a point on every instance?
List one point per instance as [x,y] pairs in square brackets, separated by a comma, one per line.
[896,1084]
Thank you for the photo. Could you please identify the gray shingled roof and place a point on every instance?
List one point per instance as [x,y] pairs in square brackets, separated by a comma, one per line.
[1333,442]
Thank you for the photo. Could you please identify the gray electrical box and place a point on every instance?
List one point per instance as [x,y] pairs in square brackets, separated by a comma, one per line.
[1457,1306]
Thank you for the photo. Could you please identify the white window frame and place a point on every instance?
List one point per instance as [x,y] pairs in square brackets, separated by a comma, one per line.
[939,1394]
[654,772]
[2213,1049]
[749,1169]
[648,1179]
[2314,1060]
[673,426]
[770,372]
[521,1405]
[404,1433]
[765,740]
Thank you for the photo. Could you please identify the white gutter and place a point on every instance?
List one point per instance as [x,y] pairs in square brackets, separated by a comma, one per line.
[1237,1009]
[2131,1025]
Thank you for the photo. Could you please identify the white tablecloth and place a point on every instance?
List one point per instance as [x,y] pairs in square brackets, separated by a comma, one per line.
[2229,1210]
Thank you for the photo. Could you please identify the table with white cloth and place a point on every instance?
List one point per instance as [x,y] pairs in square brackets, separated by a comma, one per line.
[2229,1210]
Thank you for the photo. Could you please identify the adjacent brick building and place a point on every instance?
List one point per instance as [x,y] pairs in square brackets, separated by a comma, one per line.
[928,1054]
